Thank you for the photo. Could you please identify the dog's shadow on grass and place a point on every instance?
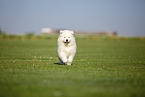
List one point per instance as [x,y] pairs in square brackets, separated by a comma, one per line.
[57,64]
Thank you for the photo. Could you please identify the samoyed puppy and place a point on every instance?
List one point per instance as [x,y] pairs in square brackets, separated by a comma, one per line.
[66,47]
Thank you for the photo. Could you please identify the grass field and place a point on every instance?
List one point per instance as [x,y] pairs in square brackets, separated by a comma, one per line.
[101,68]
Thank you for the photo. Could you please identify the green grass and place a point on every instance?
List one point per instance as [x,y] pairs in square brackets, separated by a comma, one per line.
[101,68]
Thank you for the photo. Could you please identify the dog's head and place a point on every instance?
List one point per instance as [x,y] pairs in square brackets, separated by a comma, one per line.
[66,36]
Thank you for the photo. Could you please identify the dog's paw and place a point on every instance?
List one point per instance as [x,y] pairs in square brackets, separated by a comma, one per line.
[68,63]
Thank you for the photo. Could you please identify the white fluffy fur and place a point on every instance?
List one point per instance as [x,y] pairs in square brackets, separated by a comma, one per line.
[66,47]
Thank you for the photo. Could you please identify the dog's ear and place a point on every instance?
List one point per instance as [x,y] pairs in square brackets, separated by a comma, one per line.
[61,31]
[72,32]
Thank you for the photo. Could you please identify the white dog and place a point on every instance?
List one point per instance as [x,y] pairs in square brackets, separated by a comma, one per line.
[66,47]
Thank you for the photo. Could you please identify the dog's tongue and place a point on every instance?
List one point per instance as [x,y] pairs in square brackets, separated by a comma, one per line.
[66,42]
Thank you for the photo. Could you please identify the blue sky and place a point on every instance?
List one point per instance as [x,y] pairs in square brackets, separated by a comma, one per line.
[127,17]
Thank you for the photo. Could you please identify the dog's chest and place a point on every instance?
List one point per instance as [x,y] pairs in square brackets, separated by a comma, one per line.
[68,51]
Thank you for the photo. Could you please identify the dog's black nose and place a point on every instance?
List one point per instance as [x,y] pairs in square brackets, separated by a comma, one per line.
[66,40]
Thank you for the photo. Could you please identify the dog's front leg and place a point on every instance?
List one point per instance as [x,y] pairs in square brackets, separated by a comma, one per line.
[63,58]
[70,59]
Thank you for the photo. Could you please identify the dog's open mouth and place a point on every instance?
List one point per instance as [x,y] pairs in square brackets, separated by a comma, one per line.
[66,42]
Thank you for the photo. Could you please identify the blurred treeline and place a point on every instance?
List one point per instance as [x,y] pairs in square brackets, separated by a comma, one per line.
[31,36]
[26,36]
